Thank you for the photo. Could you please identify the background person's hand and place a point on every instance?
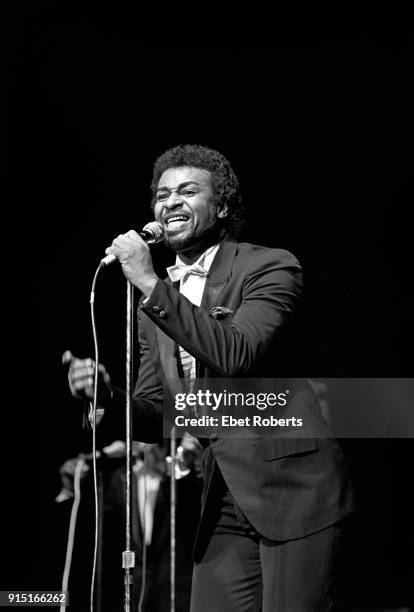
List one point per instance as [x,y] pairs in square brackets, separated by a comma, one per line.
[81,378]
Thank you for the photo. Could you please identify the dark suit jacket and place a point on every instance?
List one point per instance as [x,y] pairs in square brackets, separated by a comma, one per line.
[286,486]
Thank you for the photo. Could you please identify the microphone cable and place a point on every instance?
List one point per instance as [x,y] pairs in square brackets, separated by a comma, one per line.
[72,526]
[92,416]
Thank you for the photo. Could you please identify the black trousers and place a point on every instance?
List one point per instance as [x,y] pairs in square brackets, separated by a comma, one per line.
[240,571]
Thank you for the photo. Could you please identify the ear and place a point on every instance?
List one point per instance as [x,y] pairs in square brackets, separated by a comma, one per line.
[222,211]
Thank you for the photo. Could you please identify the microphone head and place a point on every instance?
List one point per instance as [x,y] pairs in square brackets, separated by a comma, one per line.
[152,233]
[154,229]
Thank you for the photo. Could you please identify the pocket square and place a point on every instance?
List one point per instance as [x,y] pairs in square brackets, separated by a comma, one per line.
[219,312]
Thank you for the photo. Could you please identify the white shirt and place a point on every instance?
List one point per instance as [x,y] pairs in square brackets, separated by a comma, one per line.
[192,287]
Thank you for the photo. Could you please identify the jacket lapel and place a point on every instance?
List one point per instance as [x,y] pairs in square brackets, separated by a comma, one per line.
[219,274]
[216,280]
[218,277]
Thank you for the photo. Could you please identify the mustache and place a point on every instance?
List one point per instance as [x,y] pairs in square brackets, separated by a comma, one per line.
[210,234]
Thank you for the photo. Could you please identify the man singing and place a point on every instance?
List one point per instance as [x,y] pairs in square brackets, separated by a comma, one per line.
[273,507]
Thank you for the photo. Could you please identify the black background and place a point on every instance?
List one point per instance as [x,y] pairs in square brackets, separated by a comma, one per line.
[316,133]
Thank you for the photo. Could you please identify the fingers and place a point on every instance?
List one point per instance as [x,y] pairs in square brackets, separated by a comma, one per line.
[127,241]
[82,369]
[81,377]
[124,242]
[104,373]
[116,449]
[67,357]
[134,235]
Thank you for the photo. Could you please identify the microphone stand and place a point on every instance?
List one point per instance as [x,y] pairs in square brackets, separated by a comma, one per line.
[128,556]
[173,504]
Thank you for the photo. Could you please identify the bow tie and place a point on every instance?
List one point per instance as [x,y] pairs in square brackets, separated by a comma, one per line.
[181,271]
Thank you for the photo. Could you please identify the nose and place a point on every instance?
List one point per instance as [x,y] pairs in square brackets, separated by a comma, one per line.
[174,201]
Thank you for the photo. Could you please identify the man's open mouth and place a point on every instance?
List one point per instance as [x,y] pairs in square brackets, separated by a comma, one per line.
[176,221]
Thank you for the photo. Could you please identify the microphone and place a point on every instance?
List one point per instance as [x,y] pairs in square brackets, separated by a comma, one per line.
[151,234]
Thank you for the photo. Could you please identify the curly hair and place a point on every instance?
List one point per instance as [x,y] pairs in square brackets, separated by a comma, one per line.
[224,181]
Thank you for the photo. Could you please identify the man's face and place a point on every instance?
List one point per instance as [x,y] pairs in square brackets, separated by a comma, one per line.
[186,208]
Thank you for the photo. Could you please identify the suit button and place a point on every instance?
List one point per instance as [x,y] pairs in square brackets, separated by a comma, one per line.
[155,309]
[162,314]
[213,437]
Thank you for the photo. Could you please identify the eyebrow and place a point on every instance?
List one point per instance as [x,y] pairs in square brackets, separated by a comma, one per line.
[180,186]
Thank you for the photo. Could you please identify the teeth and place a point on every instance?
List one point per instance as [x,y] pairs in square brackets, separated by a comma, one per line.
[172,219]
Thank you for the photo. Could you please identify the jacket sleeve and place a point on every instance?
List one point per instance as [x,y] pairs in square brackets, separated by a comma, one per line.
[270,288]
